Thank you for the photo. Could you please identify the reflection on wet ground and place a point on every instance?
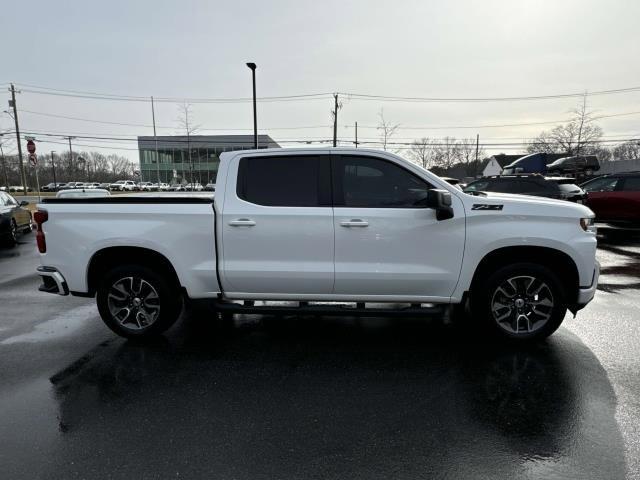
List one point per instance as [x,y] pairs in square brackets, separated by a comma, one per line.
[336,398]
[619,253]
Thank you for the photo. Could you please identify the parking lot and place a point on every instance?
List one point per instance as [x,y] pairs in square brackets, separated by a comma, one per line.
[313,397]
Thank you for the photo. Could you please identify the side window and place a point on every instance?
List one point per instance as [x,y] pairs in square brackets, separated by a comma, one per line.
[602,185]
[478,186]
[369,182]
[631,184]
[286,181]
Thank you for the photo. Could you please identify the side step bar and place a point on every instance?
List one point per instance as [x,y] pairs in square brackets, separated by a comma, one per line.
[328,309]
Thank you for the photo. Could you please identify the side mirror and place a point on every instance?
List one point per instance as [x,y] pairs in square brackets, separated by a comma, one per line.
[440,201]
[24,203]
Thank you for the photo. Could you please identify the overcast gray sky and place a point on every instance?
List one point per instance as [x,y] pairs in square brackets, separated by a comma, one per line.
[495,48]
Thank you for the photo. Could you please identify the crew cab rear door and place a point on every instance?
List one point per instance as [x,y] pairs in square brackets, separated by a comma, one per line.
[387,243]
[277,227]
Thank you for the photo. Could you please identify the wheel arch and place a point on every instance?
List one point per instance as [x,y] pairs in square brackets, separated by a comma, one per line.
[105,259]
[556,260]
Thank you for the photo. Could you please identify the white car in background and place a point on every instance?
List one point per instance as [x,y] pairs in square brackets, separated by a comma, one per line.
[147,186]
[123,185]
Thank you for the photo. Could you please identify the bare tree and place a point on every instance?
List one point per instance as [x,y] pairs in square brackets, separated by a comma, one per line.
[467,155]
[421,152]
[446,152]
[187,125]
[627,151]
[577,137]
[386,129]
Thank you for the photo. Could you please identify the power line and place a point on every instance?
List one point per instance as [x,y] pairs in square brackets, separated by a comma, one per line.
[360,96]
[133,98]
[315,96]
[304,127]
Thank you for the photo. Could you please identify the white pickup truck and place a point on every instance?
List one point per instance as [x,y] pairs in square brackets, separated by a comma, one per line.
[351,231]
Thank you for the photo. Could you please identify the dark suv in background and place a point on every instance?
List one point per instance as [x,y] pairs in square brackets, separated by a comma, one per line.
[615,198]
[530,184]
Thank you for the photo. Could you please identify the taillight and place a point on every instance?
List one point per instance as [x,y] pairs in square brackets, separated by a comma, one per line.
[41,216]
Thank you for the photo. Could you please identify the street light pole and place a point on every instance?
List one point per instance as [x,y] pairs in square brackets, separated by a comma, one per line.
[153,116]
[253,67]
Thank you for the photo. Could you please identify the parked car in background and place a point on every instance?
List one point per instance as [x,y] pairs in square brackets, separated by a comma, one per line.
[615,198]
[83,193]
[16,188]
[105,185]
[193,187]
[162,187]
[586,164]
[527,184]
[53,187]
[176,187]
[570,189]
[147,186]
[91,185]
[210,187]
[123,185]
[14,219]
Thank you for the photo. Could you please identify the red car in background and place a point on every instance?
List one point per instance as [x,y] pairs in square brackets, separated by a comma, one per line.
[615,198]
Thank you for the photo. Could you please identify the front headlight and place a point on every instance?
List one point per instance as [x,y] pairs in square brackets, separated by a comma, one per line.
[588,225]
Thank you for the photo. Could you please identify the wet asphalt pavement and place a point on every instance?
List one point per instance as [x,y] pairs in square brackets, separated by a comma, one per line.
[309,397]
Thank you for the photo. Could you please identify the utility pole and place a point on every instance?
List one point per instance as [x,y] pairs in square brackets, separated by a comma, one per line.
[70,154]
[356,142]
[53,166]
[153,115]
[477,148]
[12,103]
[335,119]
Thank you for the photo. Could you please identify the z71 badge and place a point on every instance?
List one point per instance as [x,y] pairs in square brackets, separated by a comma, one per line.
[486,206]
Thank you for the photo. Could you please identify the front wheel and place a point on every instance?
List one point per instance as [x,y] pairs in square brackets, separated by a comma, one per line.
[522,302]
[137,302]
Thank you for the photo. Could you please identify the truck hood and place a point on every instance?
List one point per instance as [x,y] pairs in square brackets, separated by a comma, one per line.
[528,205]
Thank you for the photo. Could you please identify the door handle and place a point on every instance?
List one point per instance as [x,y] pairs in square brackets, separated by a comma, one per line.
[242,222]
[354,222]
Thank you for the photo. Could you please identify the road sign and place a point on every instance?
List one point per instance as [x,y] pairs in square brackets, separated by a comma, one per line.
[136,173]
[33,159]
[31,146]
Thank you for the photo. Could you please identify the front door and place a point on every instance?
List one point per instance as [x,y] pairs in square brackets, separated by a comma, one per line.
[277,227]
[387,241]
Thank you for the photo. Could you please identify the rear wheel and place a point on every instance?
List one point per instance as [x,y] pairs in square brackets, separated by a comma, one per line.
[12,239]
[29,227]
[137,302]
[522,302]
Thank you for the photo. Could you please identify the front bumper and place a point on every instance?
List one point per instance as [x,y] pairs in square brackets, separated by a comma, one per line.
[586,294]
[52,281]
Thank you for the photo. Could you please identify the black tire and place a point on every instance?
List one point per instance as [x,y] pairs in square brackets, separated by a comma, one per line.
[12,238]
[159,306]
[522,325]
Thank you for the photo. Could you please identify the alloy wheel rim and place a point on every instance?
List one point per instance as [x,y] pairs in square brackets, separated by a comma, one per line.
[522,305]
[14,231]
[134,303]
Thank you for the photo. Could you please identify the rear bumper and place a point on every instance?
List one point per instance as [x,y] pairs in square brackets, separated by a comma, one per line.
[52,281]
[586,294]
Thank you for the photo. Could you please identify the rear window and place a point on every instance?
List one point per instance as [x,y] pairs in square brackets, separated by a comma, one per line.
[289,181]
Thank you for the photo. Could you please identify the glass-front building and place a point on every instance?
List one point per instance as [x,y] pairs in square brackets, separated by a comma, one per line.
[182,159]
